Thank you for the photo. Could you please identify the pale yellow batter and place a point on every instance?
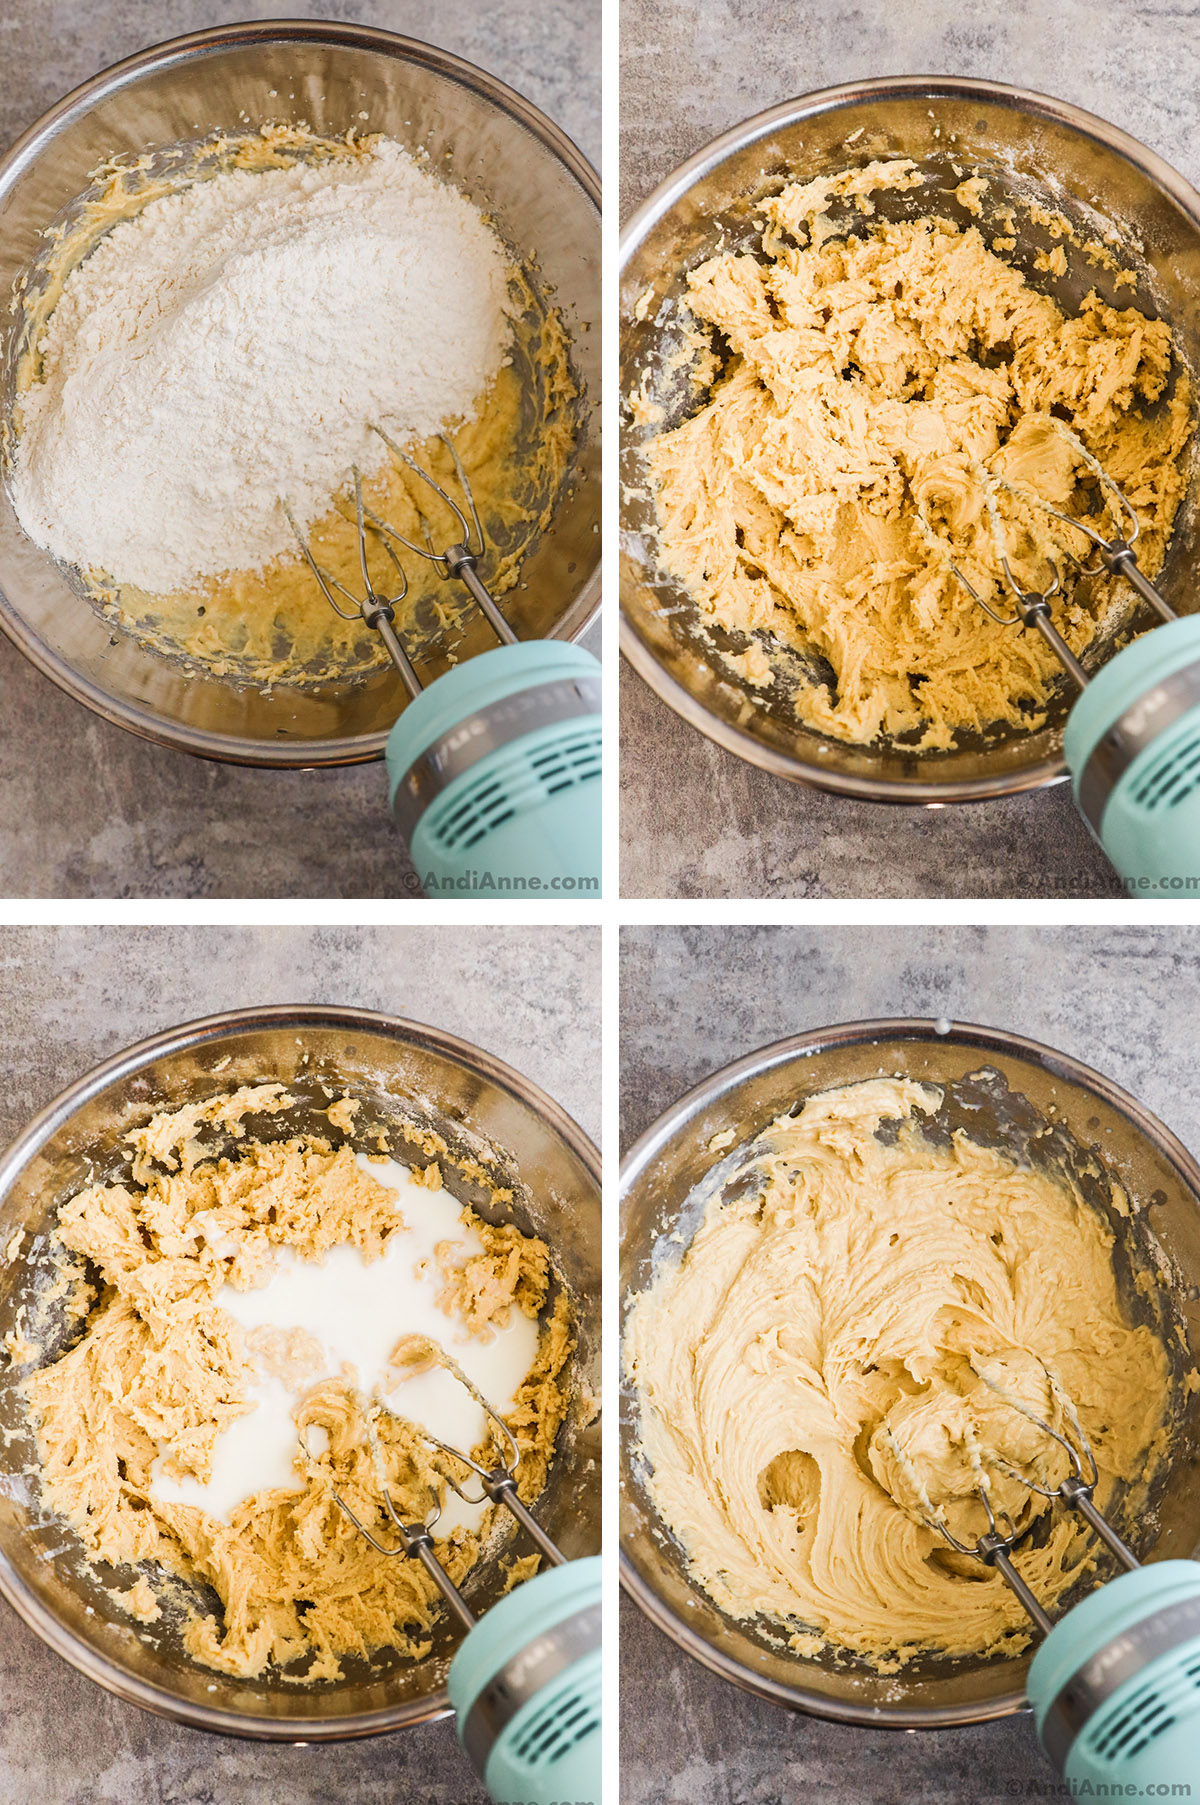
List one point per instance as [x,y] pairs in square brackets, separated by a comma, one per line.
[162,1368]
[875,387]
[274,626]
[813,1379]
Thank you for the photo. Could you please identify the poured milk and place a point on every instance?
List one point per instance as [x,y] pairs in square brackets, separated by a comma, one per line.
[357,1313]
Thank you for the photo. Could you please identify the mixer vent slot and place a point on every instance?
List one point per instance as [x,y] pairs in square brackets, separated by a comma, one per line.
[481,810]
[514,784]
[572,761]
[1145,1716]
[1170,779]
[553,1731]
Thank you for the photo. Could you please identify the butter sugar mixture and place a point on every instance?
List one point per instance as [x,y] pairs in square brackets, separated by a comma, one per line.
[162,1370]
[873,390]
[840,1343]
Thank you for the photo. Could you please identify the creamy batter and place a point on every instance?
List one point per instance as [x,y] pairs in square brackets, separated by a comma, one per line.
[842,1342]
[876,388]
[246,1308]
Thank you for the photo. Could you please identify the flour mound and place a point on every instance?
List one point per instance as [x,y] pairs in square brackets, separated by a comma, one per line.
[232,345]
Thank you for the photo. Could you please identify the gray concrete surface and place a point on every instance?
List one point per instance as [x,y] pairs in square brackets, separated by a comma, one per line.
[85,808]
[1122,999]
[695,820]
[68,998]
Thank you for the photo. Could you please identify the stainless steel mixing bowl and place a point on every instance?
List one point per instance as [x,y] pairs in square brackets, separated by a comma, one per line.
[1098,1132]
[400,1071]
[1025,144]
[495,146]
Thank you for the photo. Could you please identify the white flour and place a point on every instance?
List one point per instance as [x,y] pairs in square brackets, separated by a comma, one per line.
[232,344]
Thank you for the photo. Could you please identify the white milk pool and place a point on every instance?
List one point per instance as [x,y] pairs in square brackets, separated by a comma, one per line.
[356,1313]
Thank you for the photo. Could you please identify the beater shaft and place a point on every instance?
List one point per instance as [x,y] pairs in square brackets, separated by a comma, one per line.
[999,1557]
[499,1484]
[414,1539]
[418,1541]
[1116,554]
[383,620]
[461,559]
[1123,563]
[1075,1493]
[995,1547]
[1035,612]
[501,1488]
[462,564]
[1033,609]
[377,611]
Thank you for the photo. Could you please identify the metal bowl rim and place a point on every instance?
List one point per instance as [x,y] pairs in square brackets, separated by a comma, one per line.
[919,1030]
[212,1029]
[668,193]
[233,748]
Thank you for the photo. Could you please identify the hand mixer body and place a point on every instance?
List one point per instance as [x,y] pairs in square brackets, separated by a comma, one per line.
[525,1686]
[1115,1686]
[494,770]
[1132,741]
[494,773]
[1133,746]
[526,1683]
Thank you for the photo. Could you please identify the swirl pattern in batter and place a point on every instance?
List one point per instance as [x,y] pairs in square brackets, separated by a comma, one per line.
[860,1316]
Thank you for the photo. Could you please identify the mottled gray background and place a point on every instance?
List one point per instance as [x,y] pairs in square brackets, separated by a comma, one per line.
[696,821]
[1124,1000]
[69,997]
[87,809]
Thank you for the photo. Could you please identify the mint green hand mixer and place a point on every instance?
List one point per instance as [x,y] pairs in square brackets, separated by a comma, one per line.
[494,770]
[1132,740]
[525,1683]
[1115,1686]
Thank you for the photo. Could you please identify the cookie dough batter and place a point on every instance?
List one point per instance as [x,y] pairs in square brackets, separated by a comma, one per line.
[161,1369]
[875,388]
[841,1339]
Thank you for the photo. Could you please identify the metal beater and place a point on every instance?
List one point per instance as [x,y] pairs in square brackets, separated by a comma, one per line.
[460,560]
[494,769]
[525,1683]
[1132,740]
[1115,1686]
